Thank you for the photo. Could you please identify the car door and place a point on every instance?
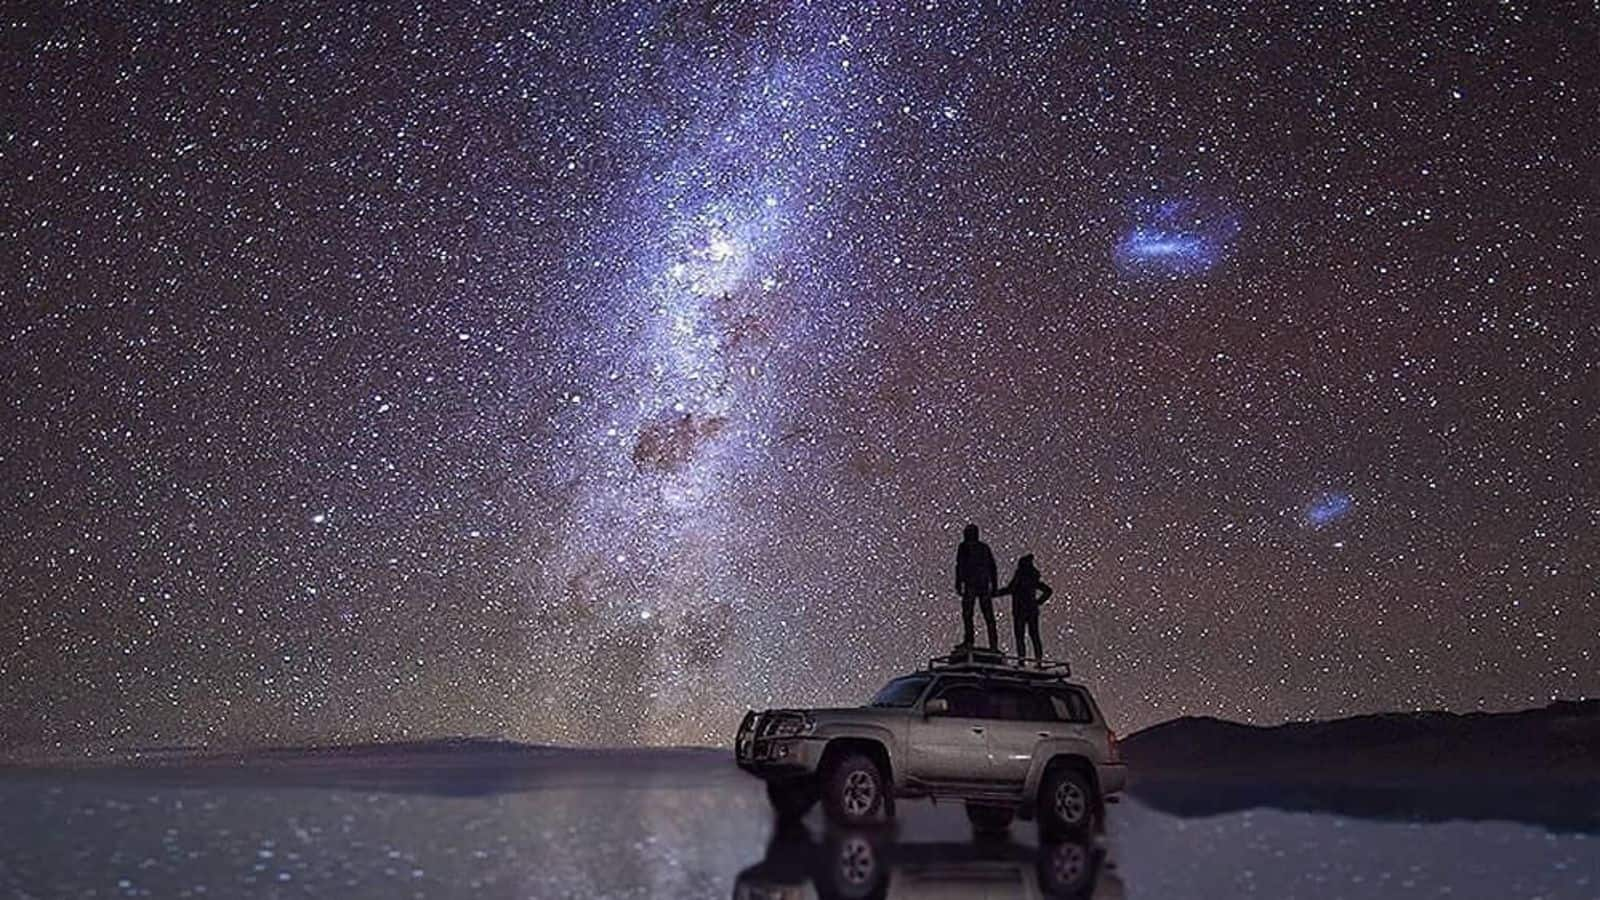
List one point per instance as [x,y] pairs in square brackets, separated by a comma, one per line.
[1023,717]
[953,746]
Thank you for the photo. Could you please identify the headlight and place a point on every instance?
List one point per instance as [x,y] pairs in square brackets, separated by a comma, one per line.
[792,726]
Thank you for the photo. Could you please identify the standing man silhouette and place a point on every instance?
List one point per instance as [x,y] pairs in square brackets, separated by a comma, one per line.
[976,580]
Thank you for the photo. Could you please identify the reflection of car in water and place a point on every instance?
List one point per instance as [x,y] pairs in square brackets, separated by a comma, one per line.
[1004,739]
[870,865]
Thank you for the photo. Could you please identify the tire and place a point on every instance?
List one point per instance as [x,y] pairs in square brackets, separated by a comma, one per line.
[853,868]
[853,790]
[990,820]
[1067,802]
[792,798]
[1067,869]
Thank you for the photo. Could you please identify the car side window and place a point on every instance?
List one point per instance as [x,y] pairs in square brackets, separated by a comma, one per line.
[1019,705]
[1069,706]
[966,700]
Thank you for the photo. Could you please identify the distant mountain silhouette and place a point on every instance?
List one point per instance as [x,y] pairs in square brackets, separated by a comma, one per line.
[1559,740]
[451,766]
[1539,766]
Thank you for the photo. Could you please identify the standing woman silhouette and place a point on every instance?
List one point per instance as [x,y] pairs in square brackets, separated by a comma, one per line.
[1028,592]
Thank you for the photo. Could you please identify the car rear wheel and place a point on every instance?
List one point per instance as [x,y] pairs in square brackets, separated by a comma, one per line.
[792,798]
[1066,801]
[1066,869]
[853,790]
[990,820]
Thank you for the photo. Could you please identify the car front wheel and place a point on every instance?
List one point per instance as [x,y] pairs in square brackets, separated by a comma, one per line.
[853,869]
[1066,801]
[853,791]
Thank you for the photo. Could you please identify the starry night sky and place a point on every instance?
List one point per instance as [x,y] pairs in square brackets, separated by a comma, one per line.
[589,375]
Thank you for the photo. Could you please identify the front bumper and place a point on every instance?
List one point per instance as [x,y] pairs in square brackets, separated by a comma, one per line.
[783,756]
[769,756]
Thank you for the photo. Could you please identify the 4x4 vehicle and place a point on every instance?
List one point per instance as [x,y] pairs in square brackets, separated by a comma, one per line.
[1005,739]
[871,863]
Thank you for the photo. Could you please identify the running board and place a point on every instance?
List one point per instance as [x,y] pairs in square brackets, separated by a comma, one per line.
[956,790]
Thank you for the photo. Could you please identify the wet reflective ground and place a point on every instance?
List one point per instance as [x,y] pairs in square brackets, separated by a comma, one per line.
[690,825]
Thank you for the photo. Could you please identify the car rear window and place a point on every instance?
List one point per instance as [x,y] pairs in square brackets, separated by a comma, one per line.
[1070,706]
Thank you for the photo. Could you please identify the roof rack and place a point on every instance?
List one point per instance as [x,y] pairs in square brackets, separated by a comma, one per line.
[974,659]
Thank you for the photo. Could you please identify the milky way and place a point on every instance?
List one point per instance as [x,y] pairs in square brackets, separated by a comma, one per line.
[590,376]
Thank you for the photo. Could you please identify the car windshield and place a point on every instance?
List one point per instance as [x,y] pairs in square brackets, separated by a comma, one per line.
[901,691]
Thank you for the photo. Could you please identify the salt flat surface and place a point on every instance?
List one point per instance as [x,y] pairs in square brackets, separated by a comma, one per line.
[691,825]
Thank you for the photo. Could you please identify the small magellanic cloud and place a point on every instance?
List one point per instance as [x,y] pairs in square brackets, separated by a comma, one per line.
[1327,509]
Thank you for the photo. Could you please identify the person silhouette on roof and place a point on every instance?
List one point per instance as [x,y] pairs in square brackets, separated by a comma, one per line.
[975,582]
[1028,592]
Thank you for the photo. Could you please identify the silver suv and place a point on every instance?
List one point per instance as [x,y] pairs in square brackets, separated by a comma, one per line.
[1004,739]
[861,863]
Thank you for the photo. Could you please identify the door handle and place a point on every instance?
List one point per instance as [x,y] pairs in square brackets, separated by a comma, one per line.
[1044,734]
[977,730]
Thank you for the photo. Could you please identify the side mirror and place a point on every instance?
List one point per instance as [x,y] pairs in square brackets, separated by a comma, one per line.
[938,706]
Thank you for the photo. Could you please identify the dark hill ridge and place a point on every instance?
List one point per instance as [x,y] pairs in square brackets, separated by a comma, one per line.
[453,766]
[1561,740]
[476,750]
[1539,766]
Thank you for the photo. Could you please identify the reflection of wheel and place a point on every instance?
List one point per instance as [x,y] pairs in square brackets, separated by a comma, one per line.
[1066,870]
[990,820]
[791,798]
[853,869]
[1066,801]
[853,790]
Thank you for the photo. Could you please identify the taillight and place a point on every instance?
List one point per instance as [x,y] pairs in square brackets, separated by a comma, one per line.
[1112,753]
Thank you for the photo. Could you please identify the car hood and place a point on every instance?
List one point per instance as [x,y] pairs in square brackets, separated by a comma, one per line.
[843,713]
